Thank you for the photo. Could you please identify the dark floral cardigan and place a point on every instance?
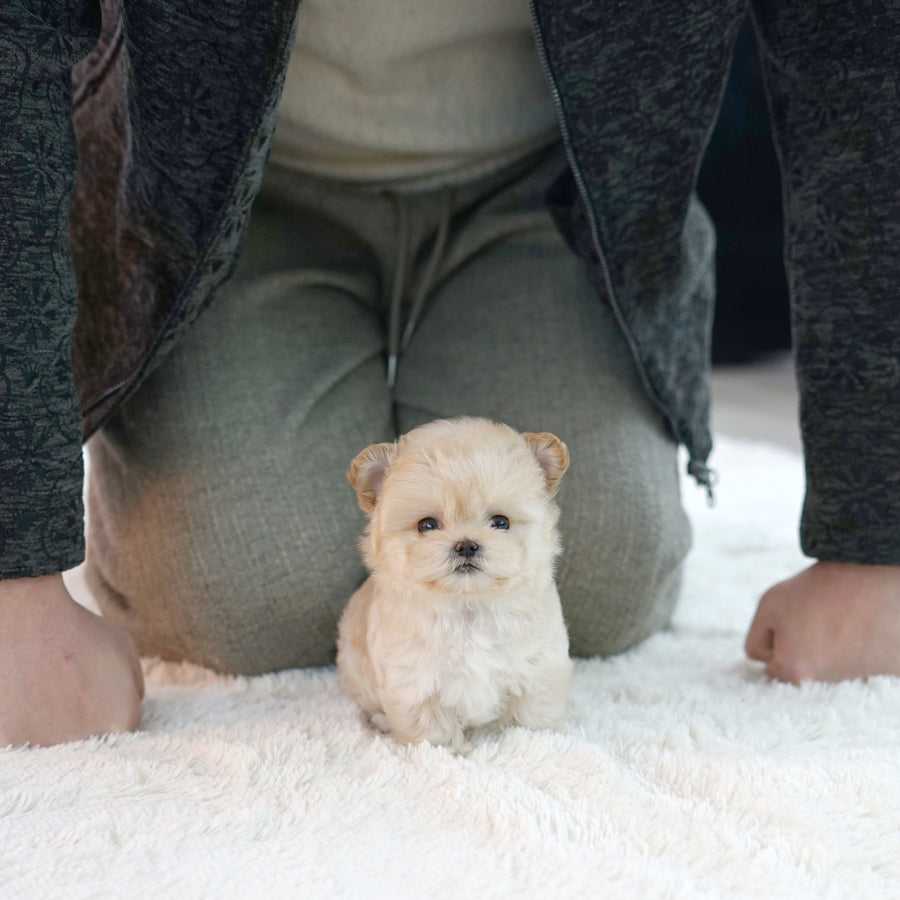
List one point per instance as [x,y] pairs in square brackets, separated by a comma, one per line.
[133,134]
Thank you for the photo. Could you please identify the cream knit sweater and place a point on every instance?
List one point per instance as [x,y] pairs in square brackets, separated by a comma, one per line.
[413,91]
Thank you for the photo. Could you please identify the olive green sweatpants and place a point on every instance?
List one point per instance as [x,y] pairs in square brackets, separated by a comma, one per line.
[222,528]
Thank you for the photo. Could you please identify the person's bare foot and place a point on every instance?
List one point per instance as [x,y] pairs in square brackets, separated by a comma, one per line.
[830,622]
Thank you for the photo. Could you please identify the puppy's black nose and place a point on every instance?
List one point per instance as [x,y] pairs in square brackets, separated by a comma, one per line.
[466,548]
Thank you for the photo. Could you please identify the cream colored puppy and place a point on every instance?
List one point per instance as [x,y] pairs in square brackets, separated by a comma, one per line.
[459,623]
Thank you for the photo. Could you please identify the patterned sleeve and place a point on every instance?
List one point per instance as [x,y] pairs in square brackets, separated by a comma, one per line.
[833,74]
[41,475]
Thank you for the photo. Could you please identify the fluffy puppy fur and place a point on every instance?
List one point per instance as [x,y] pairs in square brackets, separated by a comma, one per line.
[459,623]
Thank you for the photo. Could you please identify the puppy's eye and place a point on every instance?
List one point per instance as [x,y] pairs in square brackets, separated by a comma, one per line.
[500,522]
[428,524]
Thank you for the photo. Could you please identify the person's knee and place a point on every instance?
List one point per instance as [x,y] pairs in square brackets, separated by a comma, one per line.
[614,618]
[625,538]
[228,601]
[243,564]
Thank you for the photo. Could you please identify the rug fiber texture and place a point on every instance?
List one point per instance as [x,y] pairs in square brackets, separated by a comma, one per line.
[682,771]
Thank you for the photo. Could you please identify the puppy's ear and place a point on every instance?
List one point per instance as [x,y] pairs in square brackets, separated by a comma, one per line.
[367,473]
[552,456]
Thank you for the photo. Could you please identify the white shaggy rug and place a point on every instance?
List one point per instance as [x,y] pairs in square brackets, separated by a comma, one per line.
[683,772]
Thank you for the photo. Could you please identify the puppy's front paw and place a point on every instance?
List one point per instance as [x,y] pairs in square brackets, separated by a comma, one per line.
[459,746]
[428,721]
[379,721]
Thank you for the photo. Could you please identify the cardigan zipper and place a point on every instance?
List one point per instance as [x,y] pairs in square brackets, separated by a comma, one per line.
[703,474]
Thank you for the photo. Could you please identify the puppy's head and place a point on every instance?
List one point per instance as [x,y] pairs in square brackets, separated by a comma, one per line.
[461,506]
